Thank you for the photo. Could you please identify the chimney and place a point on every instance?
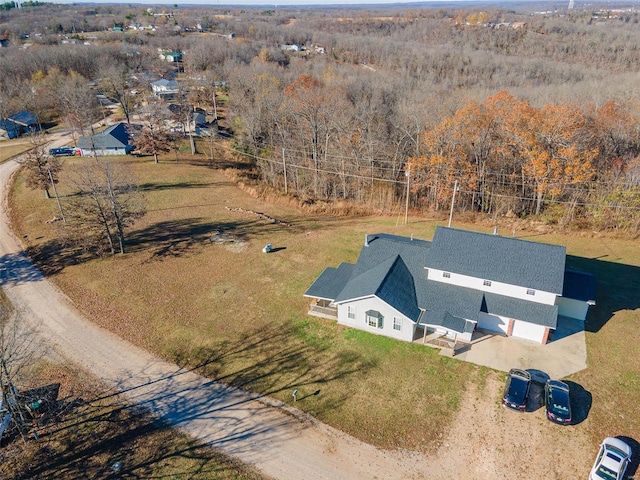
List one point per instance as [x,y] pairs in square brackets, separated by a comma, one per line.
[412,237]
[495,230]
[366,240]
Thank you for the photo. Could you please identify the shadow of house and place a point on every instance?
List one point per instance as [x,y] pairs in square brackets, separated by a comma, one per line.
[618,288]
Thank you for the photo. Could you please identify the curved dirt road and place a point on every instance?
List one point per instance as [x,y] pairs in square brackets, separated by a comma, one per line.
[279,444]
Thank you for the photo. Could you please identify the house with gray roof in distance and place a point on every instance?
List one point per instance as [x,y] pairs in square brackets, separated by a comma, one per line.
[461,281]
[165,88]
[114,140]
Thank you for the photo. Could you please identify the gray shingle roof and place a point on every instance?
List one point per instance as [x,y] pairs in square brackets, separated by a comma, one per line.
[513,261]
[330,282]
[532,312]
[392,268]
[466,302]
[459,301]
[116,136]
[446,320]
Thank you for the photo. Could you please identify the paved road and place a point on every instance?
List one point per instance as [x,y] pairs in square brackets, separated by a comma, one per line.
[256,431]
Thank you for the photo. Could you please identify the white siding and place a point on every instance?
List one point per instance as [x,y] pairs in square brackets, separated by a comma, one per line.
[101,153]
[496,287]
[374,303]
[494,323]
[572,308]
[528,331]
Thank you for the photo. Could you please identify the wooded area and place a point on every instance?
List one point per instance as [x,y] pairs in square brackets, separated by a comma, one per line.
[532,113]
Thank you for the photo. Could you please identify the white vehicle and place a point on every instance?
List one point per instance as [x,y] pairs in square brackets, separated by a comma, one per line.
[612,460]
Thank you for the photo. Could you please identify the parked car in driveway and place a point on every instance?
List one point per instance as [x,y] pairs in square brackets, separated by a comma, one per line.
[612,460]
[62,151]
[516,390]
[557,402]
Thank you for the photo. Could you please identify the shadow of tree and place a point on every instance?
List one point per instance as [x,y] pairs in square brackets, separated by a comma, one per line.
[220,415]
[618,288]
[176,237]
[17,268]
[153,187]
[581,400]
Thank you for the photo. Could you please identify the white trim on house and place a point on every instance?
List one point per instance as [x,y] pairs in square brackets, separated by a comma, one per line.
[513,291]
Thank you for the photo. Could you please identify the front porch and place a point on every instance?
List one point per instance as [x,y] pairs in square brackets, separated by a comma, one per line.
[432,338]
[323,309]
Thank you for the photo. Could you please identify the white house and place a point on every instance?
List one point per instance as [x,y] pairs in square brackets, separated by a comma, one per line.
[165,88]
[407,288]
[114,140]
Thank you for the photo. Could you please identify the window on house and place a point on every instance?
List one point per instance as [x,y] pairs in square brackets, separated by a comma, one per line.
[397,323]
[531,291]
[446,274]
[487,283]
[351,312]
[374,319]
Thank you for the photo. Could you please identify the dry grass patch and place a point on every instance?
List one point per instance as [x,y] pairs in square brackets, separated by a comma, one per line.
[11,148]
[93,435]
[239,314]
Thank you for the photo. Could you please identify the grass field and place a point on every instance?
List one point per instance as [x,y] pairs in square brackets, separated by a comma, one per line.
[10,148]
[239,314]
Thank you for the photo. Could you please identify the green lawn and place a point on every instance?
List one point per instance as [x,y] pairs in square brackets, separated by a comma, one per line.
[239,314]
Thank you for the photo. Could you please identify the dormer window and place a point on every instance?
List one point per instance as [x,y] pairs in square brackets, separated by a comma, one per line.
[446,274]
[531,291]
[487,283]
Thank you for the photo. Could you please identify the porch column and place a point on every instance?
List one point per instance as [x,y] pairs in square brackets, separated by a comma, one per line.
[545,337]
[510,327]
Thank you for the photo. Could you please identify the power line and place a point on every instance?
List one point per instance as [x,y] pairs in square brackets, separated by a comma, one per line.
[460,173]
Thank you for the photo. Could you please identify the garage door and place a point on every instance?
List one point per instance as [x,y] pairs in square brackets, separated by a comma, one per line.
[493,323]
[528,331]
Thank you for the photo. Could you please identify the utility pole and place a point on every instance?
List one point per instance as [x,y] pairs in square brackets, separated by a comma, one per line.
[453,199]
[55,191]
[284,166]
[406,207]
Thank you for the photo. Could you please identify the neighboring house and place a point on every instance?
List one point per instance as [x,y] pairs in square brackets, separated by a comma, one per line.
[164,88]
[114,140]
[18,124]
[8,130]
[171,57]
[407,289]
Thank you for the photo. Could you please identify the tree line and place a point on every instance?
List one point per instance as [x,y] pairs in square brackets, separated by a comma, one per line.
[539,120]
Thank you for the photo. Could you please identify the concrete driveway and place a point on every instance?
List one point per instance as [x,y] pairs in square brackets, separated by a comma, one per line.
[564,355]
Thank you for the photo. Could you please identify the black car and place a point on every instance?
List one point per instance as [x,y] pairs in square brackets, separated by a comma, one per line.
[557,401]
[62,151]
[516,391]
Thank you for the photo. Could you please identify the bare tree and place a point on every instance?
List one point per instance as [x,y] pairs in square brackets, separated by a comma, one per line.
[118,86]
[20,347]
[154,136]
[106,203]
[42,169]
